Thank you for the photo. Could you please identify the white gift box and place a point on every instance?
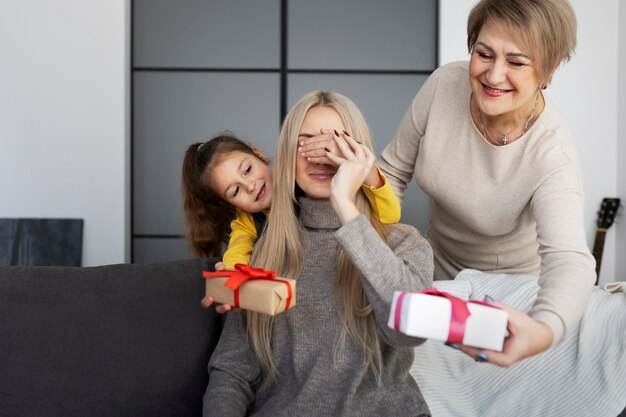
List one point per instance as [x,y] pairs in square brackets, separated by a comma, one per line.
[430,317]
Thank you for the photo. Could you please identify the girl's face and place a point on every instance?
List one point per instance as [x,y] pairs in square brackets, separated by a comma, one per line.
[315,179]
[503,78]
[244,181]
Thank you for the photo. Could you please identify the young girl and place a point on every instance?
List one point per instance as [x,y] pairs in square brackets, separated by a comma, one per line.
[225,180]
[332,354]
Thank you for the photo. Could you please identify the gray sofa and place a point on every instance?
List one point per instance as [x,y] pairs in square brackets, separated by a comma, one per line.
[114,340]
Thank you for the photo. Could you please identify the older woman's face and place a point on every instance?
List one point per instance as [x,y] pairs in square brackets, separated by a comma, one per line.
[315,179]
[502,76]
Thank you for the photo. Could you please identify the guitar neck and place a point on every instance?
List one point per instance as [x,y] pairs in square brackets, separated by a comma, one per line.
[606,216]
[598,247]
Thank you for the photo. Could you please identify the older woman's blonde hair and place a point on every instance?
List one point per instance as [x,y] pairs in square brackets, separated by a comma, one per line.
[546,28]
[280,248]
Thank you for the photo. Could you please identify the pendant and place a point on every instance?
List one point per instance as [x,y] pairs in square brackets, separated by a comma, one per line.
[505,140]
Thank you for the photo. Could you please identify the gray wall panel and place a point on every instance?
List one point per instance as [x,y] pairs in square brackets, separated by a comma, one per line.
[159,250]
[188,85]
[362,34]
[200,33]
[173,110]
[383,100]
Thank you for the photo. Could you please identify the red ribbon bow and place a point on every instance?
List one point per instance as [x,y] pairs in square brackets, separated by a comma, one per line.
[241,273]
[460,313]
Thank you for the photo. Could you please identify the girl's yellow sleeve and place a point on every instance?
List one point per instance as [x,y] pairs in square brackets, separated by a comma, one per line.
[385,204]
[241,241]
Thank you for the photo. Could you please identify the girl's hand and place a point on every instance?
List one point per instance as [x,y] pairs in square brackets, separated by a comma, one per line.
[355,162]
[315,149]
[208,300]
[527,337]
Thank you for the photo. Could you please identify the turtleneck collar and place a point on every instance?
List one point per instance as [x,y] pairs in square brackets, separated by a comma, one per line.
[317,214]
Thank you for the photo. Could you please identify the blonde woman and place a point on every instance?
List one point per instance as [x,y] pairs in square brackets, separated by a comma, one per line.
[332,354]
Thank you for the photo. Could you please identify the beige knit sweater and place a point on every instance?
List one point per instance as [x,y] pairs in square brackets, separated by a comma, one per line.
[515,209]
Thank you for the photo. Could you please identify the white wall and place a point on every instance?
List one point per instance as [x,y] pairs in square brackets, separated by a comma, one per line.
[584,90]
[620,227]
[63,127]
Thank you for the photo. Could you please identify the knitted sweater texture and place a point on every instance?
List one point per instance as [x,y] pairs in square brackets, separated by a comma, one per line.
[312,380]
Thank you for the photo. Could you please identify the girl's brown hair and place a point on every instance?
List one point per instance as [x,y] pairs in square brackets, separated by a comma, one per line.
[207,215]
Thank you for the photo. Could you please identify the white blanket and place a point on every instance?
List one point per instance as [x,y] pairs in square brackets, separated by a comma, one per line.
[585,375]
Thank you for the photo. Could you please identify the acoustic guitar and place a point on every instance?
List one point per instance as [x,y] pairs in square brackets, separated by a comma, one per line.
[606,217]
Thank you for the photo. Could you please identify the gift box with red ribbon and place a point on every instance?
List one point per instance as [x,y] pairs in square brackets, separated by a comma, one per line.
[437,315]
[250,288]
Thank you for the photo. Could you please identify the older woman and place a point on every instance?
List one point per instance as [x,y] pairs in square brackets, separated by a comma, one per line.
[501,167]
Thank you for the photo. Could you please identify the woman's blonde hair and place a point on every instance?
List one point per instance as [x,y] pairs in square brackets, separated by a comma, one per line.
[281,249]
[546,28]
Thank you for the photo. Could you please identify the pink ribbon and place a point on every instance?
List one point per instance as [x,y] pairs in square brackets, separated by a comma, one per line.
[460,313]
[396,316]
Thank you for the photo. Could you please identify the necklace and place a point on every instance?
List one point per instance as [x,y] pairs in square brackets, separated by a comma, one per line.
[506,138]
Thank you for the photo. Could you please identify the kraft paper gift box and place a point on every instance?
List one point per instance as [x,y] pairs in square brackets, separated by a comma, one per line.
[437,315]
[252,289]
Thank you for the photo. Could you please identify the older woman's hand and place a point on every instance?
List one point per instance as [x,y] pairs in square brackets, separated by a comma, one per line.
[527,337]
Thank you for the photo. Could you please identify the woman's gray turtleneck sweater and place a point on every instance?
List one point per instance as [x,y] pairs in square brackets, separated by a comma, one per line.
[312,380]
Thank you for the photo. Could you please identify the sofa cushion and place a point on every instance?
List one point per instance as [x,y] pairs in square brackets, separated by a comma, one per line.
[113,340]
